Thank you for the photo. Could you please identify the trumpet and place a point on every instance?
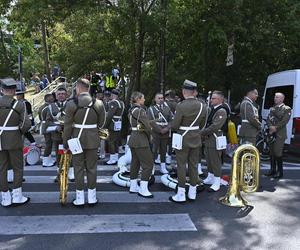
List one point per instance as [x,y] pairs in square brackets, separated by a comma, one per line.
[244,175]
[103,133]
[64,164]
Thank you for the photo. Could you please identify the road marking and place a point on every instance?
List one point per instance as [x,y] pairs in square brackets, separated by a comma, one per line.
[41,168]
[103,197]
[88,224]
[226,166]
[30,179]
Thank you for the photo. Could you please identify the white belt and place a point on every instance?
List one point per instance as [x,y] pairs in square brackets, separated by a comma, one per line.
[245,121]
[189,128]
[43,121]
[9,128]
[117,117]
[134,129]
[57,123]
[162,123]
[85,126]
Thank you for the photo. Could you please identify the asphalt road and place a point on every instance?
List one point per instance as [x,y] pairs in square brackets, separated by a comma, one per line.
[270,221]
[125,221]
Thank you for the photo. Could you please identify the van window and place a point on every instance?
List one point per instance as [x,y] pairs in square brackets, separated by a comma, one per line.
[287,90]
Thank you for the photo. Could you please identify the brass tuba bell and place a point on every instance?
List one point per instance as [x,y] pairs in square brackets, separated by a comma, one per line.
[103,133]
[244,175]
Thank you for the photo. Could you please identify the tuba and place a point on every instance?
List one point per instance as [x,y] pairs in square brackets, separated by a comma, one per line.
[244,175]
[64,164]
[103,133]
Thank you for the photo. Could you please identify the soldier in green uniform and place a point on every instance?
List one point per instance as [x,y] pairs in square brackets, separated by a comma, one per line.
[14,122]
[114,125]
[160,116]
[171,102]
[189,118]
[216,119]
[42,112]
[249,113]
[277,120]
[84,115]
[55,121]
[139,143]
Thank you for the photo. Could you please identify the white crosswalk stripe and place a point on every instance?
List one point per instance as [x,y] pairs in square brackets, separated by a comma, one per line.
[71,224]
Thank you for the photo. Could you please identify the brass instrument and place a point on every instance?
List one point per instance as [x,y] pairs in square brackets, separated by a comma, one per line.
[140,127]
[64,164]
[244,175]
[103,133]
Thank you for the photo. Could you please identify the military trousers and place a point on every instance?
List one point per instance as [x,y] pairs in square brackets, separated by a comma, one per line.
[11,158]
[113,142]
[187,157]
[248,139]
[160,145]
[141,157]
[86,161]
[214,160]
[276,148]
[48,144]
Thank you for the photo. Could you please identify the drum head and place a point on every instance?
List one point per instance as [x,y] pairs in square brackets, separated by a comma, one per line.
[33,156]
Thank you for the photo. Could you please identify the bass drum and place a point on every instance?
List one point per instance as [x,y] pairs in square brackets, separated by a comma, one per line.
[32,154]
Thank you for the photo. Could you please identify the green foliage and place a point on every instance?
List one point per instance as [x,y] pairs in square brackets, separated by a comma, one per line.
[98,35]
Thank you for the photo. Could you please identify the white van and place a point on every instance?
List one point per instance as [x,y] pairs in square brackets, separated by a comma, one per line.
[288,83]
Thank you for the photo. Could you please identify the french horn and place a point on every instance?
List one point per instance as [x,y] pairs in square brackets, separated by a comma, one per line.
[244,175]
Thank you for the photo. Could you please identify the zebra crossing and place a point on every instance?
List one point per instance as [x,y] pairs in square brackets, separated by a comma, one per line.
[44,214]
[40,187]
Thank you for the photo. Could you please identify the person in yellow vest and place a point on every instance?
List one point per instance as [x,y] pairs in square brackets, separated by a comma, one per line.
[110,82]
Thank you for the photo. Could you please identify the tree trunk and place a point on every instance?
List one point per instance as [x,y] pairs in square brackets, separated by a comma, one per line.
[46,51]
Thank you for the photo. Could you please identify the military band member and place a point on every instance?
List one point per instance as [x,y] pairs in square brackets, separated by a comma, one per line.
[42,112]
[189,118]
[216,119]
[13,123]
[160,115]
[114,125]
[76,110]
[139,143]
[250,121]
[170,101]
[277,121]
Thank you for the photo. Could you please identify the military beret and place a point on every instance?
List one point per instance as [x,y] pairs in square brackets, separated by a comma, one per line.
[115,92]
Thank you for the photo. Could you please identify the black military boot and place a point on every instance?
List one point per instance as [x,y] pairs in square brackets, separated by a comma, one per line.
[279,173]
[272,170]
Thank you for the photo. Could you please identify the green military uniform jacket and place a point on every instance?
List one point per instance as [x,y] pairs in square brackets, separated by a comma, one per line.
[217,122]
[42,112]
[279,116]
[13,139]
[250,122]
[55,116]
[160,116]
[139,139]
[115,112]
[186,113]
[171,103]
[75,113]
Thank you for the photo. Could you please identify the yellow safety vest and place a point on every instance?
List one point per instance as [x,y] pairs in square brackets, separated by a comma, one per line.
[109,82]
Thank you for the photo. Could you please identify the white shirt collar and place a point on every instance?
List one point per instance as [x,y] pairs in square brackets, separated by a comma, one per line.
[217,106]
